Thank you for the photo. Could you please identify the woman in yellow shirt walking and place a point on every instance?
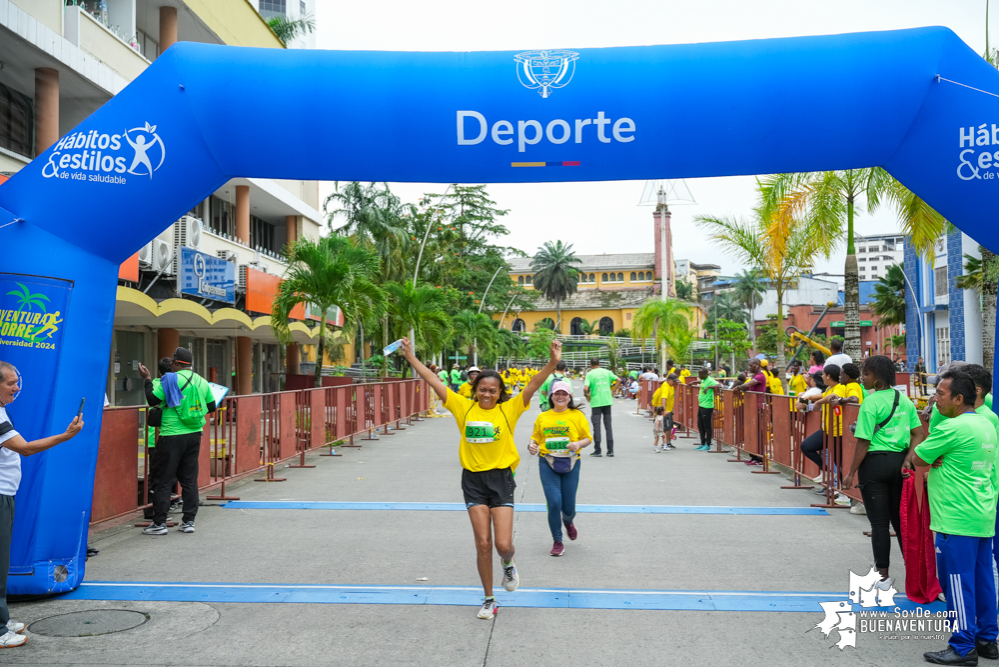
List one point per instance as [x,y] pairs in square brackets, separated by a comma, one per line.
[489,458]
[559,435]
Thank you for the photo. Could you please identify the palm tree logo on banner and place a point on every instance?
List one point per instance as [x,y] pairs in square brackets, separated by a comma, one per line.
[546,71]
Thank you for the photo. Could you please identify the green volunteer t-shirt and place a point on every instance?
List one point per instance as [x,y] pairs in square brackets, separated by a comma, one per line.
[893,436]
[963,490]
[986,412]
[443,376]
[455,376]
[171,420]
[988,400]
[546,388]
[706,396]
[935,417]
[633,374]
[599,381]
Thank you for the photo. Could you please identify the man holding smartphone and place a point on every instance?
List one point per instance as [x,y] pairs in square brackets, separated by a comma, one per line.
[12,448]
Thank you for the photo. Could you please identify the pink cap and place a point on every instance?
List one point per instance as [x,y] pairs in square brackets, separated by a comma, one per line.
[561,386]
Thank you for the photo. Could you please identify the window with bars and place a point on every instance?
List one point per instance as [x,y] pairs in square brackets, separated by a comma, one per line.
[269,8]
[943,345]
[940,281]
[17,122]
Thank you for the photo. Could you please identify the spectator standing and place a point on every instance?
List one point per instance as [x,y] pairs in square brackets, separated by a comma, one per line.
[920,376]
[597,388]
[164,366]
[817,360]
[706,407]
[961,487]
[12,447]
[837,358]
[189,399]
[455,378]
[557,376]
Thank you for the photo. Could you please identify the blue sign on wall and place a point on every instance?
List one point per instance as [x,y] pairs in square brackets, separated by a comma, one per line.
[207,277]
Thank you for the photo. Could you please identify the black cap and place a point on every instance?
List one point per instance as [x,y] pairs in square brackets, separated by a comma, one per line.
[182,355]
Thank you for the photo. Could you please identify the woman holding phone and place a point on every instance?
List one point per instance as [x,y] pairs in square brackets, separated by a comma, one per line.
[489,457]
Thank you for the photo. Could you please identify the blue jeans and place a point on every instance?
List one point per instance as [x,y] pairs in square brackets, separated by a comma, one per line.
[560,492]
[964,567]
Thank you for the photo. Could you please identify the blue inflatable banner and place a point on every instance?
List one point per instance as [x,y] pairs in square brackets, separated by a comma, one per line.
[919,103]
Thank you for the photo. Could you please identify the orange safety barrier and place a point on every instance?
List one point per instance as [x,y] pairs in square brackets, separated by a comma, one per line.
[245,434]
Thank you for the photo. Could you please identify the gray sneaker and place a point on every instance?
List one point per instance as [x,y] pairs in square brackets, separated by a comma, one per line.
[155,529]
[186,527]
[511,580]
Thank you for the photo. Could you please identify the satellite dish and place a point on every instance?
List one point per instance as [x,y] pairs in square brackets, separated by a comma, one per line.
[666,191]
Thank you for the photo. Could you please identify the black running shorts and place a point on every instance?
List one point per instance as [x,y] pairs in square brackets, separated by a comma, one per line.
[492,488]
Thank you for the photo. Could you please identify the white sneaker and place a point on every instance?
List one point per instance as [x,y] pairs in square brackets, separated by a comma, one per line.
[858,509]
[11,639]
[488,610]
[510,577]
[186,527]
[840,499]
[14,626]
[657,449]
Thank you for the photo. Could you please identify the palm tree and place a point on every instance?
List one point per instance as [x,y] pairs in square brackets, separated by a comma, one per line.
[663,320]
[832,200]
[422,310]
[685,290]
[554,274]
[972,278]
[588,328]
[330,271]
[749,290]
[288,29]
[727,306]
[888,300]
[753,242]
[475,330]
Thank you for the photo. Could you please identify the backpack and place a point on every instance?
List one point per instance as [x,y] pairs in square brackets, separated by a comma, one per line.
[192,409]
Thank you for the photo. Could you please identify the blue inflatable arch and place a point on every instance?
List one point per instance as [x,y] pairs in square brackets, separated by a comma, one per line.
[919,103]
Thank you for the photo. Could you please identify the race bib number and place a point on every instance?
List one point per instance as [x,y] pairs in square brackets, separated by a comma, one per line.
[480,432]
[557,444]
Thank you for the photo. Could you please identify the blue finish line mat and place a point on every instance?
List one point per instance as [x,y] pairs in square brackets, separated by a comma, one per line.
[525,507]
[468,596]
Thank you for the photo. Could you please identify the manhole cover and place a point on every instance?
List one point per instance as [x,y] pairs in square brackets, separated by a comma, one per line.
[88,623]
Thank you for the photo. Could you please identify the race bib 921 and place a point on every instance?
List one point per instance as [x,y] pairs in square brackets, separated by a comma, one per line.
[480,432]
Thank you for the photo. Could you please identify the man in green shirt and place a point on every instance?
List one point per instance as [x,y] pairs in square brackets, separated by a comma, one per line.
[557,376]
[189,399]
[455,377]
[962,491]
[706,407]
[597,388]
[983,384]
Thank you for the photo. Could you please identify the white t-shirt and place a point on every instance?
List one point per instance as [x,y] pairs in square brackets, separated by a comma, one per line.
[649,375]
[839,360]
[10,461]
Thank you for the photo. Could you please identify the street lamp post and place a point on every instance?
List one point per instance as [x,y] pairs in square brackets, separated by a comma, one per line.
[419,257]
[475,341]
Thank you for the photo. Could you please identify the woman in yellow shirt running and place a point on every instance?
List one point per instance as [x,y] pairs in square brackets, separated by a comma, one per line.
[558,436]
[489,458]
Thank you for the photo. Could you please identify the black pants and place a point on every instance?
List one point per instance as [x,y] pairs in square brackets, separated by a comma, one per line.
[178,459]
[705,424]
[812,448]
[603,412]
[6,531]
[880,482]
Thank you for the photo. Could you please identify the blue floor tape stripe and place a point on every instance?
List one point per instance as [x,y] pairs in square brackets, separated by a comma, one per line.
[528,507]
[775,601]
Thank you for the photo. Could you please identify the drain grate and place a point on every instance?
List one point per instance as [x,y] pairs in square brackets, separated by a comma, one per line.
[88,623]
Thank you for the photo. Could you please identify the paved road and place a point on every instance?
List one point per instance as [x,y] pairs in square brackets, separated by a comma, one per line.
[423,562]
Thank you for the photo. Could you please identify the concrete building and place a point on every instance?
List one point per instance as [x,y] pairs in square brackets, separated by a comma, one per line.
[60,64]
[943,322]
[701,276]
[876,253]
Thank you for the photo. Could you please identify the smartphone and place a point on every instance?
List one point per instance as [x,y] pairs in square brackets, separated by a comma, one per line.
[79,413]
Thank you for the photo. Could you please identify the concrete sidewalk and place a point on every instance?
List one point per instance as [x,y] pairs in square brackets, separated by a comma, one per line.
[640,552]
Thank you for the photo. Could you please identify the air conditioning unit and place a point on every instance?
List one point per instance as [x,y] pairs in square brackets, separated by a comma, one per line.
[146,256]
[162,257]
[188,232]
[228,255]
[260,266]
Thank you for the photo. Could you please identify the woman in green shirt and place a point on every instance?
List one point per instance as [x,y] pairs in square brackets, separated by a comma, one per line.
[887,426]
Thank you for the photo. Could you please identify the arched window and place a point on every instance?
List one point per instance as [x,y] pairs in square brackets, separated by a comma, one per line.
[620,277]
[606,325]
[547,323]
[520,280]
[593,278]
[518,325]
[529,278]
[604,277]
[641,275]
[634,276]
[574,327]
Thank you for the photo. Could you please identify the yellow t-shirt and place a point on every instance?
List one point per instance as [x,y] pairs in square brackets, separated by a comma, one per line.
[798,384]
[833,423]
[553,431]
[684,374]
[486,435]
[657,396]
[669,393]
[465,390]
[854,389]
[773,385]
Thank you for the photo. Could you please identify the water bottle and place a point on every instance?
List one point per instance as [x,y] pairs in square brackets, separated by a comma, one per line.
[392,347]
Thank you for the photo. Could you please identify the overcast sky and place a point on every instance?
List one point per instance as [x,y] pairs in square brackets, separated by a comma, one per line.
[605,217]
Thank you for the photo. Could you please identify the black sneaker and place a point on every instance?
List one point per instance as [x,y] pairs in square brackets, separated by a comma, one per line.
[987,650]
[155,529]
[595,454]
[949,656]
[610,453]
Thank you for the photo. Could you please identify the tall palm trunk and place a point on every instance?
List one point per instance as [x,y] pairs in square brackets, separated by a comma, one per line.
[320,352]
[558,309]
[780,337]
[990,285]
[851,307]
[385,342]
[752,325]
